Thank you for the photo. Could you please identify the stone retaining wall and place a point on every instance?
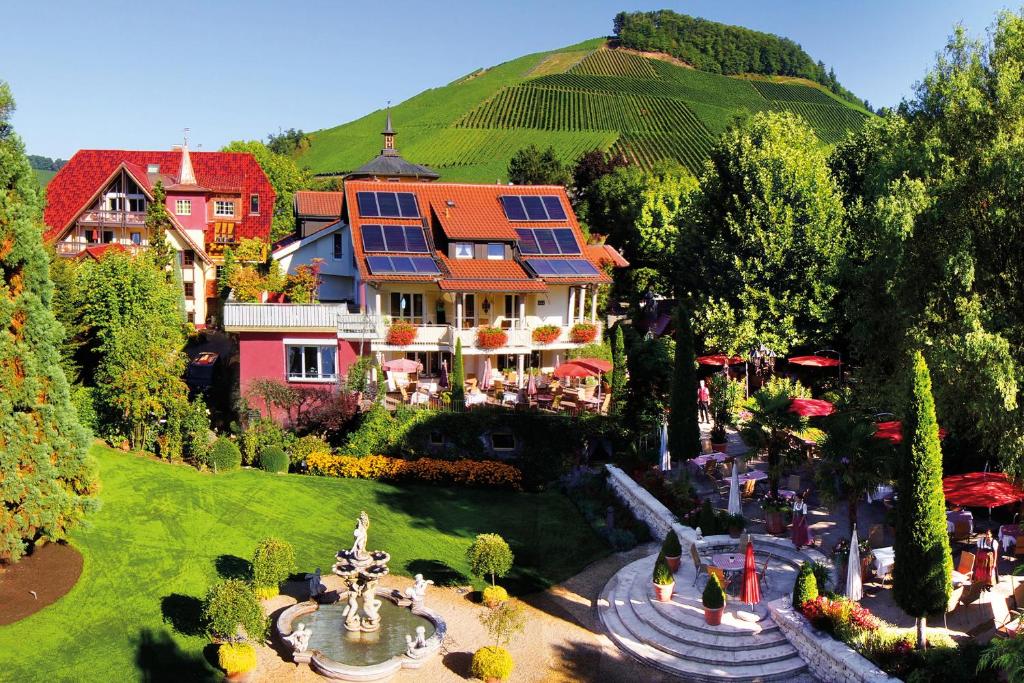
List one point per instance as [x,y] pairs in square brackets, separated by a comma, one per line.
[828,659]
[648,509]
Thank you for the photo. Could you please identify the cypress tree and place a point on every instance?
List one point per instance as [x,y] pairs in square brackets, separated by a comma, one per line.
[158,221]
[921,574]
[45,472]
[683,430]
[618,370]
[458,379]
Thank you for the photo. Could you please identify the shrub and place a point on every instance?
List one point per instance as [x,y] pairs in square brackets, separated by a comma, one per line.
[821,575]
[671,546]
[229,605]
[236,658]
[713,596]
[505,621]
[306,446]
[262,433]
[806,587]
[494,596]
[273,459]
[272,562]
[331,416]
[401,333]
[196,431]
[491,338]
[489,473]
[708,520]
[583,333]
[662,573]
[545,334]
[225,455]
[492,662]
[83,402]
[620,539]
[489,554]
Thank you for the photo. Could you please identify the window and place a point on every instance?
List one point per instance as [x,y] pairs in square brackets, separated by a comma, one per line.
[136,203]
[311,362]
[219,272]
[512,307]
[108,236]
[190,290]
[92,236]
[463,250]
[136,238]
[254,204]
[407,307]
[503,441]
[468,311]
[339,244]
[223,207]
[495,251]
[188,258]
[191,317]
[152,168]
[183,207]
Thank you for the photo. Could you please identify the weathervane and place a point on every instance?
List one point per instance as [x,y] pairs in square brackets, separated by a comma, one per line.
[186,130]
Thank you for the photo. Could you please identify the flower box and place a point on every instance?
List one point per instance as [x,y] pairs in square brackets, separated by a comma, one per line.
[545,334]
[491,338]
[583,333]
[401,334]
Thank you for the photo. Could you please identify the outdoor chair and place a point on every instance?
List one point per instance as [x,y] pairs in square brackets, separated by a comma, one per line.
[763,574]
[698,564]
[876,536]
[606,404]
[569,407]
[966,565]
[1011,625]
[961,530]
[951,605]
[498,386]
[1018,546]
[405,394]
[556,402]
[717,571]
[793,482]
[748,489]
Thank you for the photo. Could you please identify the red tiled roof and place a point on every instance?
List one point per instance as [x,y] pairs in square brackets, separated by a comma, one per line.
[77,184]
[604,254]
[310,203]
[487,275]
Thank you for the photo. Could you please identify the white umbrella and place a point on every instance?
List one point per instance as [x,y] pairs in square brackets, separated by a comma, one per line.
[485,383]
[734,491]
[854,590]
[666,458]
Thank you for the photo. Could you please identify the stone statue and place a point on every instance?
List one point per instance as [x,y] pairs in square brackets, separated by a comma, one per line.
[418,591]
[371,606]
[351,612]
[299,638]
[362,527]
[316,587]
[417,647]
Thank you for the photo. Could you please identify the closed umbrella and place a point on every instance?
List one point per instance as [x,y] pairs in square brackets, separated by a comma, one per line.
[666,457]
[734,491]
[751,593]
[485,382]
[443,381]
[854,590]
[531,386]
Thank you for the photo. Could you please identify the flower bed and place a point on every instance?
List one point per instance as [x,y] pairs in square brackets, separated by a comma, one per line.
[583,333]
[426,470]
[491,338]
[401,334]
[545,334]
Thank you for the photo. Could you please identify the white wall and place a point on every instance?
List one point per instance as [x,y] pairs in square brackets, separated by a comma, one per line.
[338,275]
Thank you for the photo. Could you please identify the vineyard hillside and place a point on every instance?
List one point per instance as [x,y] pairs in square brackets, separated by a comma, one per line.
[582,97]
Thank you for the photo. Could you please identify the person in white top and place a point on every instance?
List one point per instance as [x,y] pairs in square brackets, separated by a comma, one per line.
[801,534]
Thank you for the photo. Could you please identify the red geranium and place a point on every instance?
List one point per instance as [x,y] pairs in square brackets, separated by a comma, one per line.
[491,338]
[401,334]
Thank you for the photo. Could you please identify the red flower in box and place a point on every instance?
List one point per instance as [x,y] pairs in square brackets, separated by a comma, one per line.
[401,334]
[491,338]
[545,334]
[583,333]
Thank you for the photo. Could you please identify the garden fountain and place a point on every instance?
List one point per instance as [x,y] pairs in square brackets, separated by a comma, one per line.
[363,633]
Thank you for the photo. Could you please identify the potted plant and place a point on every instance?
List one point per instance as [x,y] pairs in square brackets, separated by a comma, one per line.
[492,663]
[401,333]
[583,333]
[663,580]
[736,524]
[718,438]
[491,338]
[672,550]
[237,659]
[713,600]
[866,558]
[775,508]
[545,334]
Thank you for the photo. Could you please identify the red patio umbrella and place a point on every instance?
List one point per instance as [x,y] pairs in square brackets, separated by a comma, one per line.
[402,365]
[751,593]
[892,431]
[597,364]
[811,407]
[719,359]
[981,489]
[815,361]
[573,370]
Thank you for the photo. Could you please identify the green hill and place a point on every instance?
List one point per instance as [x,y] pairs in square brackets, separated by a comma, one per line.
[586,96]
[42,176]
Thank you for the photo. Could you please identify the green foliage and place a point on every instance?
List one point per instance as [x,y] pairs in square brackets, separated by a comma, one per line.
[158,222]
[228,272]
[224,455]
[1005,655]
[46,476]
[683,430]
[231,607]
[305,446]
[618,371]
[272,562]
[492,663]
[284,176]
[382,432]
[852,462]
[530,166]
[923,585]
[458,378]
[83,402]
[494,595]
[356,376]
[713,596]
[489,554]
[770,425]
[727,399]
[287,142]
[236,658]
[662,575]
[196,433]
[806,587]
[649,385]
[821,574]
[671,547]
[261,433]
[707,520]
[273,459]
[504,621]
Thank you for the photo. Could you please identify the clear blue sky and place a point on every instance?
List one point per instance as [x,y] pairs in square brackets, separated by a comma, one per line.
[134,74]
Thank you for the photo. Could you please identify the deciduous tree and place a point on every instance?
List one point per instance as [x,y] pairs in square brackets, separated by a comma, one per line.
[683,430]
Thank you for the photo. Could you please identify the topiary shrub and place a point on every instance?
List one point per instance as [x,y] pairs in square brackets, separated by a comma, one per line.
[708,520]
[272,562]
[489,554]
[713,596]
[662,572]
[671,547]
[225,455]
[821,575]
[806,587]
[236,658]
[262,433]
[494,596]
[230,605]
[306,446]
[492,662]
[273,459]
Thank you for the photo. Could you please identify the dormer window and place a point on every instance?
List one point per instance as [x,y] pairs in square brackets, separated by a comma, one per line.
[463,250]
[495,251]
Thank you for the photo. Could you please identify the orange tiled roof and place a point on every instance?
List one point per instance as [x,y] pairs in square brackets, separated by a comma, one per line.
[603,255]
[487,275]
[311,203]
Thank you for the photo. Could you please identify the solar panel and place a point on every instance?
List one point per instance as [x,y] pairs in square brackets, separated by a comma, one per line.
[534,208]
[367,203]
[373,238]
[561,267]
[553,205]
[528,207]
[387,204]
[415,240]
[394,238]
[546,240]
[514,210]
[566,241]
[402,265]
[407,205]
[583,267]
[379,264]
[425,264]
[541,267]
[527,241]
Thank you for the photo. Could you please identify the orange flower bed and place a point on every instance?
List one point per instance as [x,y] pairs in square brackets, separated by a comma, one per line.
[426,470]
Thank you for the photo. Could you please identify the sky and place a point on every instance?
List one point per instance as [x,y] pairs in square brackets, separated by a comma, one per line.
[134,75]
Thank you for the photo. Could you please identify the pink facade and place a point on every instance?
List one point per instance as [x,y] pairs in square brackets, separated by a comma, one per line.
[195,221]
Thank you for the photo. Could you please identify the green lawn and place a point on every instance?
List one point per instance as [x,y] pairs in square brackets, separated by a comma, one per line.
[165,532]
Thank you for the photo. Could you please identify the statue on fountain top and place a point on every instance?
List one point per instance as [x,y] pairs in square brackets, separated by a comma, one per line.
[362,527]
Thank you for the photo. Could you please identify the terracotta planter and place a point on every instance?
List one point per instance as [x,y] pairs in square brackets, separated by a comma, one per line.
[865,569]
[663,593]
[673,563]
[719,447]
[713,617]
[241,676]
[775,521]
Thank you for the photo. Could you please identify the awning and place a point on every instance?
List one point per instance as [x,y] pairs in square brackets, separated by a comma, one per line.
[719,359]
[811,407]
[815,361]
[981,489]
[892,431]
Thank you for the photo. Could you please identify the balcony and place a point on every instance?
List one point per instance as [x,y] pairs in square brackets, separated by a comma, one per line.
[76,248]
[239,317]
[102,217]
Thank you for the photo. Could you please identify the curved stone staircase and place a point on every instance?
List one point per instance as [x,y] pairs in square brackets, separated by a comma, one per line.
[673,636]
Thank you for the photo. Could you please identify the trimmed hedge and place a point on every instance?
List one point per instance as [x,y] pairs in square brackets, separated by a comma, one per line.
[272,562]
[492,662]
[225,455]
[273,459]
[425,470]
[236,658]
[806,587]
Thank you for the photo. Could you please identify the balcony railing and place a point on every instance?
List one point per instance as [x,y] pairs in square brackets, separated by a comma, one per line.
[253,317]
[105,217]
[76,248]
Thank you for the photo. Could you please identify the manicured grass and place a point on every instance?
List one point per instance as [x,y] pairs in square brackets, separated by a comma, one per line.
[165,532]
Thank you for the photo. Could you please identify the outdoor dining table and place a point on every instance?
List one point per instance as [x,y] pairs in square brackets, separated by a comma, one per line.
[959,579]
[729,563]
[787,494]
[954,516]
[510,397]
[753,475]
[702,460]
[885,558]
[1008,534]
[475,399]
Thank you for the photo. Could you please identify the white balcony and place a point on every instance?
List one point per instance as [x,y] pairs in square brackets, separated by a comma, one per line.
[102,217]
[240,317]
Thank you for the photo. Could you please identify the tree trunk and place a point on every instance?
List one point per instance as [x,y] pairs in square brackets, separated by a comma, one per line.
[773,471]
[921,641]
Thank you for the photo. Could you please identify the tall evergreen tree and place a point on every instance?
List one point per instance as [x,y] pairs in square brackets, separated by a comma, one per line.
[46,475]
[683,430]
[158,222]
[618,370]
[458,379]
[921,574]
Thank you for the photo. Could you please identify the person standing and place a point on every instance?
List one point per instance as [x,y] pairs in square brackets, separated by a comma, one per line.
[703,402]
[985,564]
[801,534]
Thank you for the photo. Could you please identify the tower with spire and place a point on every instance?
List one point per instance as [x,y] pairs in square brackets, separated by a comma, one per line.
[389,164]
[389,136]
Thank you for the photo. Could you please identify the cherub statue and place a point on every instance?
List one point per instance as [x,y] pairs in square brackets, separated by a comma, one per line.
[415,647]
[362,527]
[299,638]
[371,605]
[316,586]
[418,591]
